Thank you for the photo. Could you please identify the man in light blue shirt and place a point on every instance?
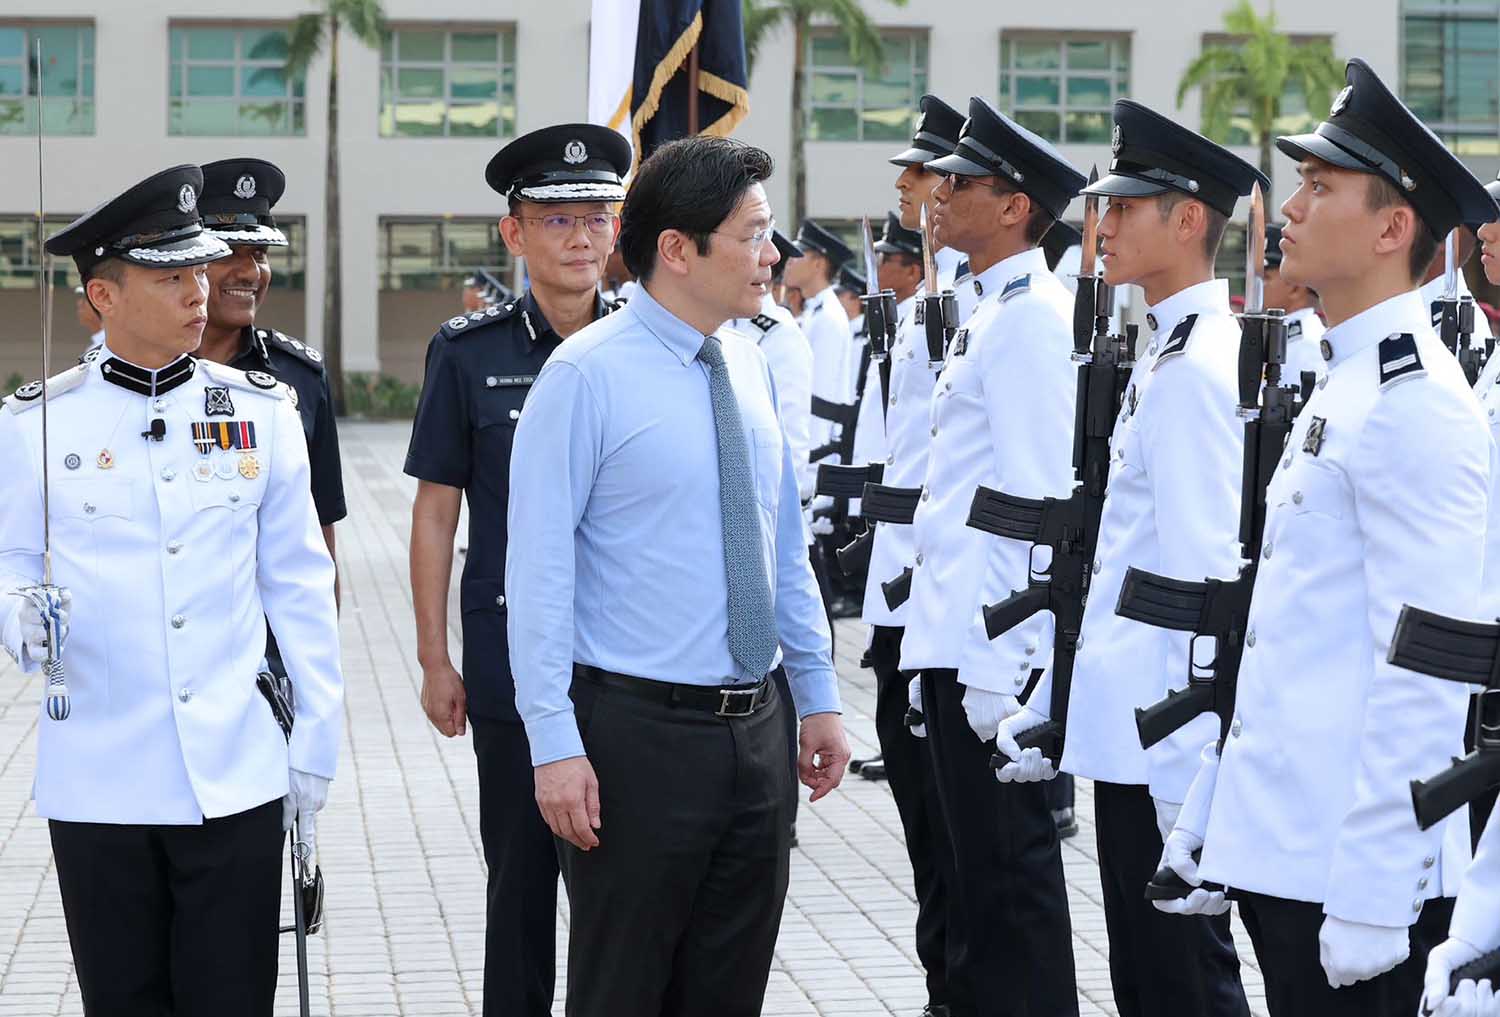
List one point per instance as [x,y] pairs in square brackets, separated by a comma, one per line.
[656,574]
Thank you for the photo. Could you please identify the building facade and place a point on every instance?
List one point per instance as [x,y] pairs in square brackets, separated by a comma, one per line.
[132,86]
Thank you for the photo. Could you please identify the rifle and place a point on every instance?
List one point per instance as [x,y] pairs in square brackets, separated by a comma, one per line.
[1482,968]
[1069,526]
[1456,315]
[1459,651]
[843,483]
[898,505]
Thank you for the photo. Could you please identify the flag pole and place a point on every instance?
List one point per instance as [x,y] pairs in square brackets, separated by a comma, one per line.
[692,84]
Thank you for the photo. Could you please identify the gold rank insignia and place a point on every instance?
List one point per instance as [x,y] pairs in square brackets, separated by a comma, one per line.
[249,467]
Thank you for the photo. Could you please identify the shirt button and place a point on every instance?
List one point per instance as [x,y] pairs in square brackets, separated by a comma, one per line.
[169,474]
[1250,638]
[947,386]
[1236,727]
[178,621]
[1416,905]
[1296,497]
[500,600]
[1098,566]
[174,547]
[925,493]
[1020,682]
[234,497]
[88,509]
[1267,552]
[890,460]
[1323,381]
[1030,651]
[934,432]
[1287,462]
[893,403]
[1429,862]
[159,406]
[184,695]
[515,414]
[1422,883]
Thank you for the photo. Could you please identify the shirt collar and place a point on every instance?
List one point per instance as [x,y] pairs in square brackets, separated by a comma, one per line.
[1211,297]
[143,380]
[1405,312]
[683,340]
[992,279]
[1302,314]
[536,323]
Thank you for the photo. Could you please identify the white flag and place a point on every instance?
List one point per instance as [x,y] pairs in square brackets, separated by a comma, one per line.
[612,63]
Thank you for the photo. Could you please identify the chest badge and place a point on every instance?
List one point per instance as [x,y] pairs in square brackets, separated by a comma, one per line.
[105,460]
[1312,444]
[216,402]
[203,471]
[960,343]
[249,466]
[71,461]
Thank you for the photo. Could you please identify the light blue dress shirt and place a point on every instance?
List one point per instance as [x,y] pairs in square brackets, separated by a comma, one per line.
[616,553]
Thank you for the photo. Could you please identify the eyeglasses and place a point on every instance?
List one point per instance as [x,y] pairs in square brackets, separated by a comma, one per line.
[756,240]
[558,224]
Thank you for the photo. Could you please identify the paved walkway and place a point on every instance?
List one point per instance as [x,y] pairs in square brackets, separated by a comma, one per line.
[400,838]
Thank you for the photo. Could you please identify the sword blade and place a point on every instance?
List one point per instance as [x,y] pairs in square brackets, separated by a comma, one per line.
[929,266]
[1090,227]
[1450,267]
[44,294]
[872,287]
[1255,253]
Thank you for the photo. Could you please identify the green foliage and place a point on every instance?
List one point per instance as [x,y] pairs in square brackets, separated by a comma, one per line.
[364,19]
[380,397]
[12,383]
[762,18]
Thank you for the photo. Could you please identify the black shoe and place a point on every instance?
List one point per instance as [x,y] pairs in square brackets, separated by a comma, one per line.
[873,769]
[935,1010]
[1067,824]
[858,765]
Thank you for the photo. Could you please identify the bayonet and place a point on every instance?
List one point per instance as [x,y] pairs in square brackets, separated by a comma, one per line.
[1255,253]
[938,311]
[880,305]
[1454,315]
[1450,268]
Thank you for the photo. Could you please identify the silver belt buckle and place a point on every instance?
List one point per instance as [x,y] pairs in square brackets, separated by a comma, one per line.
[725,710]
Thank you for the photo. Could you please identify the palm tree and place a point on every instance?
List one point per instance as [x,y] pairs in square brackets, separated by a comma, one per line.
[1255,70]
[365,20]
[762,17]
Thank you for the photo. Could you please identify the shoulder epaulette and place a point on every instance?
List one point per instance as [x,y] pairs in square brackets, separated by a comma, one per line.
[1399,359]
[462,324]
[611,306]
[30,394]
[764,322]
[296,347]
[92,354]
[245,381]
[1177,342]
[1020,284]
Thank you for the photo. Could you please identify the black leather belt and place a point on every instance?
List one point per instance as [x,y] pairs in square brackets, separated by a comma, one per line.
[720,700]
[889,504]
[847,481]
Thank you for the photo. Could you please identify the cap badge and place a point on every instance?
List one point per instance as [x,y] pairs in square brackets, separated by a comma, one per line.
[1116,140]
[187,199]
[1341,101]
[574,152]
[244,187]
[1407,182]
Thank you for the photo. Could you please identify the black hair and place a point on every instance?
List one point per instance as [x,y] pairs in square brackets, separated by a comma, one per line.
[1381,194]
[1038,222]
[1214,221]
[692,185]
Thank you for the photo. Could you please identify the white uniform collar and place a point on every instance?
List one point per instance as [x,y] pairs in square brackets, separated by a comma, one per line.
[1405,312]
[826,294]
[946,261]
[1301,314]
[1211,297]
[993,279]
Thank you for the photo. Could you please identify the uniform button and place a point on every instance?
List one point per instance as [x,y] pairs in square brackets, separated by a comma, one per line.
[1422,883]
[925,493]
[1098,566]
[934,432]
[178,621]
[174,547]
[893,403]
[890,460]
[234,496]
[1119,453]
[169,474]
[1030,651]
[1236,727]
[1020,682]
[1151,350]
[184,695]
[88,509]
[1296,497]
[500,600]
[1416,905]
[1287,462]
[1429,862]
[1078,643]
[1267,552]
[947,386]
[1250,638]
[919,559]
[1323,381]
[159,406]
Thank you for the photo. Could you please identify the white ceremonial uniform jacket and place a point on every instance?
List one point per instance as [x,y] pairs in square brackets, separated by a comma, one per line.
[826,326]
[1304,331]
[1379,501]
[906,438]
[790,358]
[871,442]
[174,575]
[1173,508]
[1001,416]
[1488,391]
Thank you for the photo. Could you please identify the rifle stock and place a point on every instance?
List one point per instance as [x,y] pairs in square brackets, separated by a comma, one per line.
[897,591]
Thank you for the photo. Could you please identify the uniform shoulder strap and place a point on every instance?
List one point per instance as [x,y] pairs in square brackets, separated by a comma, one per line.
[30,394]
[1177,342]
[1399,359]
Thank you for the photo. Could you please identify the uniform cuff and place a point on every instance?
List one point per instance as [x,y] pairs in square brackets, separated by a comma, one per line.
[554,738]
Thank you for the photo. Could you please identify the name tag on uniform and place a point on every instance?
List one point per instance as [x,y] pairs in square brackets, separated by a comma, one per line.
[960,342]
[509,380]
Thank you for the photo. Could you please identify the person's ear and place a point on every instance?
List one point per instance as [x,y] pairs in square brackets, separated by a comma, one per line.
[103,294]
[672,251]
[515,239]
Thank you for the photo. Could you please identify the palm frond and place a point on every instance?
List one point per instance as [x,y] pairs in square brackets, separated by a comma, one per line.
[365,19]
[760,20]
[1213,63]
[304,43]
[865,46]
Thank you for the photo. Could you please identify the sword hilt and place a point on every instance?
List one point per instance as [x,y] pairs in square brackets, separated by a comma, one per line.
[47,599]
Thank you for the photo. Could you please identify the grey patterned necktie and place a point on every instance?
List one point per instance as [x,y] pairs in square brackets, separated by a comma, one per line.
[752,619]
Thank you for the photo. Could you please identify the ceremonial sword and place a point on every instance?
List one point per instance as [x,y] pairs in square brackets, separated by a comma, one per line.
[45,596]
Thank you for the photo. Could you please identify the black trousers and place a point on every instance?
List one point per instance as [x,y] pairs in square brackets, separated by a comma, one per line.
[520,927]
[908,768]
[1015,949]
[174,921]
[676,912]
[1285,935]
[789,727]
[1160,965]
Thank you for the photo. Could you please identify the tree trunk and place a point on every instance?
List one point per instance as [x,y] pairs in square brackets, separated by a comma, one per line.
[799,121]
[333,304]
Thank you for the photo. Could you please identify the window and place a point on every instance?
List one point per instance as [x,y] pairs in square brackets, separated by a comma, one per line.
[1295,116]
[847,103]
[20,261]
[456,84]
[1063,87]
[67,78]
[231,80]
[436,254]
[1230,263]
[289,264]
[1450,71]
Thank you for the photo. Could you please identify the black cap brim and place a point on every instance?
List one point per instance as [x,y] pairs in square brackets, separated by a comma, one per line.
[1119,185]
[199,249]
[1302,146]
[913,157]
[959,166]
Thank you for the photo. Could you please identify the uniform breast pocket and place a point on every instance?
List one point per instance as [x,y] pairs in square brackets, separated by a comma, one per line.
[498,413]
[91,503]
[1312,492]
[765,451]
[1126,452]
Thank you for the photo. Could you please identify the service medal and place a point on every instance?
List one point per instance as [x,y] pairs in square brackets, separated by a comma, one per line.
[224,467]
[249,466]
[203,470]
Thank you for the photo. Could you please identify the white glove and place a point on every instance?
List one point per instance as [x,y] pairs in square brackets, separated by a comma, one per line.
[1469,1000]
[986,709]
[914,700]
[1177,855]
[1166,816]
[1445,958]
[307,795]
[34,629]
[1027,765]
[1352,951]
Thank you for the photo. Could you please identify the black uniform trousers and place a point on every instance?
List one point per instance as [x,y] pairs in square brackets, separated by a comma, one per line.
[174,921]
[520,928]
[1285,935]
[789,727]
[676,912]
[908,768]
[1160,965]
[1015,945]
